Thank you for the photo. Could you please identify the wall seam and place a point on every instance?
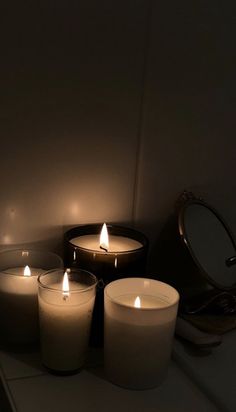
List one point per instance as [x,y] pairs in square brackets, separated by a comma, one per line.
[147,40]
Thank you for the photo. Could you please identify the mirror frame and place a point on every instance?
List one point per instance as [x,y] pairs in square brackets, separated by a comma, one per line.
[182,231]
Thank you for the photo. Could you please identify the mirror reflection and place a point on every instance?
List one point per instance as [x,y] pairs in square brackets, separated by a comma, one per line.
[210,243]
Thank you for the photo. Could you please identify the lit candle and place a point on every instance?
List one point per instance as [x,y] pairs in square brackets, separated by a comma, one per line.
[105,243]
[137,302]
[19,270]
[108,251]
[65,312]
[140,317]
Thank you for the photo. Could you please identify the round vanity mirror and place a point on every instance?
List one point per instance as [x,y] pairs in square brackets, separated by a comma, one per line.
[210,243]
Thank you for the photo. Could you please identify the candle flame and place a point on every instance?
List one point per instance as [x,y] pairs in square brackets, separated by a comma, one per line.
[137,302]
[104,238]
[27,271]
[65,285]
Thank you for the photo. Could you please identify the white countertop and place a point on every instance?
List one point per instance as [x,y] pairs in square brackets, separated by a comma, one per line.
[215,372]
[31,389]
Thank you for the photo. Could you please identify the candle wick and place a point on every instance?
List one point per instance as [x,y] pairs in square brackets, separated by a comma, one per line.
[65,296]
[103,248]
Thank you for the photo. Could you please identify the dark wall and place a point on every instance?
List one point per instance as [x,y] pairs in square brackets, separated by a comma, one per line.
[188,134]
[110,109]
[71,79]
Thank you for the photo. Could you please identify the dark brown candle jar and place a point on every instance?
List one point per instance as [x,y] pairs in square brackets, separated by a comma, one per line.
[126,256]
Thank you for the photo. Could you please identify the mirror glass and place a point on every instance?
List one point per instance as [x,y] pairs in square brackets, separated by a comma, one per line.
[210,244]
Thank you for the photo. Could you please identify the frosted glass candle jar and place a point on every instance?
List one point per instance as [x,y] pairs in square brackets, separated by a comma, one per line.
[139,324]
[65,318]
[19,270]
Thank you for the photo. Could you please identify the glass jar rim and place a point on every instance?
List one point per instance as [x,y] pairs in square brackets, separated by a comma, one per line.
[85,289]
[46,252]
[25,250]
[116,230]
[128,306]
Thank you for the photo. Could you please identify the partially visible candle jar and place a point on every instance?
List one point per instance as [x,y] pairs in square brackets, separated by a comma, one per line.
[66,301]
[140,317]
[19,270]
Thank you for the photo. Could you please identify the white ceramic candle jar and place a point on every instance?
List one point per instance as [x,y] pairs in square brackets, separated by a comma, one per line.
[66,301]
[19,270]
[139,324]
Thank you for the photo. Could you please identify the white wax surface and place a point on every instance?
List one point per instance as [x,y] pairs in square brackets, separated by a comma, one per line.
[65,326]
[20,271]
[19,305]
[116,243]
[13,280]
[147,301]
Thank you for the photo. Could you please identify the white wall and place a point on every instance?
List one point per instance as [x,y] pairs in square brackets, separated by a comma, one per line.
[81,143]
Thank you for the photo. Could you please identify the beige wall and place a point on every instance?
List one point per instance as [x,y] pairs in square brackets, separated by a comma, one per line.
[109,109]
